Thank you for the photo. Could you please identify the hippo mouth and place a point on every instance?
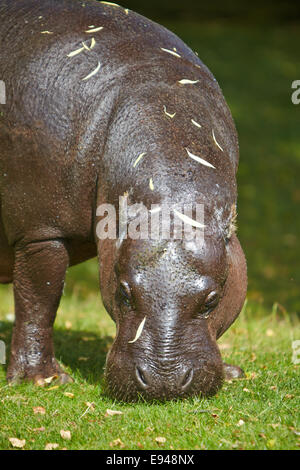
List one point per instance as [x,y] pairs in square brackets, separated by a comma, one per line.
[131,379]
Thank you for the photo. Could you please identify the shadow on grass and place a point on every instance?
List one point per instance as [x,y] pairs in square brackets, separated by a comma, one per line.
[82,352]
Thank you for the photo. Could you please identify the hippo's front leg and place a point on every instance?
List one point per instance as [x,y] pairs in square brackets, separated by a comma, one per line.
[39,273]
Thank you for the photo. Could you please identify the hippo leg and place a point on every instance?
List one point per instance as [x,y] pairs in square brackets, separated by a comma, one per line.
[38,279]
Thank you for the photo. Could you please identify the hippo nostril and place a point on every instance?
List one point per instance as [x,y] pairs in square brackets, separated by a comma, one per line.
[186,379]
[141,377]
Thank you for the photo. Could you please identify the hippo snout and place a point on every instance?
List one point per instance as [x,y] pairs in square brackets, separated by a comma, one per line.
[165,384]
[130,377]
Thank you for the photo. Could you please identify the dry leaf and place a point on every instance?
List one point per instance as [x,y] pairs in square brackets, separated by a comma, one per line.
[39,410]
[93,72]
[94,30]
[68,394]
[51,446]
[20,443]
[112,413]
[68,325]
[117,443]
[186,81]
[41,429]
[139,331]
[48,380]
[65,434]
[160,440]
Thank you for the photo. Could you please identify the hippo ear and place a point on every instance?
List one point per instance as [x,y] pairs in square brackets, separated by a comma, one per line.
[232,226]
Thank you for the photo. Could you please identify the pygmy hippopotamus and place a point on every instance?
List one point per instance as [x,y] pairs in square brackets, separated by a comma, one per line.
[102,103]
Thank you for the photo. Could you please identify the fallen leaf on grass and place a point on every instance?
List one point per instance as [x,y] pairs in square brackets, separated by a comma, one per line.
[112,413]
[52,388]
[39,410]
[69,395]
[65,434]
[41,429]
[270,332]
[91,405]
[48,380]
[271,443]
[241,422]
[68,325]
[160,440]
[117,443]
[51,446]
[274,425]
[20,443]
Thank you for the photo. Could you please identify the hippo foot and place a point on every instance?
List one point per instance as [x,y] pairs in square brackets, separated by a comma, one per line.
[40,377]
[232,372]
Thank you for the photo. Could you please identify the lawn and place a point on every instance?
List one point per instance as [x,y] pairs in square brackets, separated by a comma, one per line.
[258,412]
[255,67]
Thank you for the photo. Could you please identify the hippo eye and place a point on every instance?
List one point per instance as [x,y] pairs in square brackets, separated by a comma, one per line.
[124,293]
[211,302]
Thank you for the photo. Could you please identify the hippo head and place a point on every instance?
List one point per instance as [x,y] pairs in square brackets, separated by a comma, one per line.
[165,298]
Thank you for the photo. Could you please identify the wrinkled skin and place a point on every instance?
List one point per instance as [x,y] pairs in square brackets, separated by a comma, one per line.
[68,145]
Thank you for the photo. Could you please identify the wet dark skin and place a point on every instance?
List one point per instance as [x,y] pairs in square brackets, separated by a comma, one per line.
[68,143]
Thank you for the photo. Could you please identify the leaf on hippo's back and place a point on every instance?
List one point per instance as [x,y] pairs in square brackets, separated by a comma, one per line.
[91,405]
[186,81]
[112,413]
[41,429]
[196,123]
[171,52]
[94,30]
[39,410]
[15,442]
[151,185]
[74,53]
[92,73]
[48,380]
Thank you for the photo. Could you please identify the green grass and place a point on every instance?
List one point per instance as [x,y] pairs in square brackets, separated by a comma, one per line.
[267,401]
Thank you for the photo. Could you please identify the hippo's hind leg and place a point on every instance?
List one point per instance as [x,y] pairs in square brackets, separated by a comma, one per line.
[38,280]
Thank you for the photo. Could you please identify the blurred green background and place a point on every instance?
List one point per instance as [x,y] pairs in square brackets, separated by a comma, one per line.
[253,49]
